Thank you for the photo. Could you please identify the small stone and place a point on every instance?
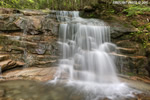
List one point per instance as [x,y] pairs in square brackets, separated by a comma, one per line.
[88,8]
[145,31]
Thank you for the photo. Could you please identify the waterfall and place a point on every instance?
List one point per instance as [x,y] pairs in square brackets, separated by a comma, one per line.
[85,47]
[86,61]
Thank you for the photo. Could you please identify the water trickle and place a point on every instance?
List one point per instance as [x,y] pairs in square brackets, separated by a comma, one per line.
[86,61]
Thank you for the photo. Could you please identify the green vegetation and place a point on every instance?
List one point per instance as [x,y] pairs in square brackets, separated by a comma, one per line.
[137,15]
[42,4]
[21,4]
[134,10]
[143,33]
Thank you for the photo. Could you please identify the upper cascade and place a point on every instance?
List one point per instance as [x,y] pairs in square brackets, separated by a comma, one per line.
[65,15]
[85,46]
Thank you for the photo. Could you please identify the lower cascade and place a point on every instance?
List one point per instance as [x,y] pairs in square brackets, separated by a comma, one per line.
[86,59]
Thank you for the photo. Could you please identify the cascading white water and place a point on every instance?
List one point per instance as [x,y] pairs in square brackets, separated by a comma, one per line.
[85,46]
[86,60]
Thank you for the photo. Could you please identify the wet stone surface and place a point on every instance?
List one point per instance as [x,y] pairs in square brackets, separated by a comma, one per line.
[31,90]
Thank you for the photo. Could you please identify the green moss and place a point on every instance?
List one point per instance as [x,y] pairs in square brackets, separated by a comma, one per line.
[91,15]
[46,11]
[16,43]
[130,74]
[3,37]
[126,24]
[148,27]
[135,23]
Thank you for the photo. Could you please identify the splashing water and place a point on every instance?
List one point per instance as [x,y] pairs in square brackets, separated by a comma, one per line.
[86,61]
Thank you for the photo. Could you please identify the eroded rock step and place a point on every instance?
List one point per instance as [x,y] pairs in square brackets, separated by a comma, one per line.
[128,47]
[32,73]
[131,65]
[6,63]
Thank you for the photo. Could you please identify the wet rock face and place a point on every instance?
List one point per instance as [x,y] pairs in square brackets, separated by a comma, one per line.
[132,56]
[148,56]
[118,29]
[30,39]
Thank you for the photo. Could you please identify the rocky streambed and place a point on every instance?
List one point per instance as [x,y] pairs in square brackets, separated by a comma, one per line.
[31,90]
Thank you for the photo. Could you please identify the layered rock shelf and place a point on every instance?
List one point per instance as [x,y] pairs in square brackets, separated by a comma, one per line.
[27,39]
